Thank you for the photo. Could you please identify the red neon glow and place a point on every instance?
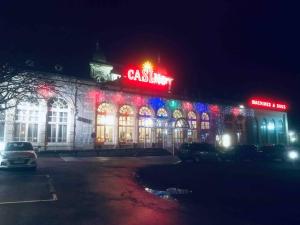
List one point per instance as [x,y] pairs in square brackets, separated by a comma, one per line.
[97,96]
[45,91]
[236,111]
[214,108]
[147,77]
[268,104]
[138,101]
[118,98]
[187,106]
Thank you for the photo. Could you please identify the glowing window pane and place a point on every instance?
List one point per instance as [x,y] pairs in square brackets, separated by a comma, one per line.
[105,108]
[192,115]
[145,111]
[126,124]
[205,116]
[26,122]
[57,120]
[105,122]
[161,112]
[177,114]
[181,123]
[126,110]
[204,125]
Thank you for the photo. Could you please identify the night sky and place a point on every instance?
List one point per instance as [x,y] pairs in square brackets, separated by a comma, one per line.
[215,49]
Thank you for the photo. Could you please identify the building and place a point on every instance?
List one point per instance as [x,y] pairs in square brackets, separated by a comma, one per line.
[115,110]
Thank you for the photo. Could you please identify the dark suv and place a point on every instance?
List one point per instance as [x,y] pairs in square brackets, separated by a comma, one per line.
[198,152]
[240,153]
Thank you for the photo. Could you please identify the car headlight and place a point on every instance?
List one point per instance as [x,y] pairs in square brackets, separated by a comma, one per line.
[293,155]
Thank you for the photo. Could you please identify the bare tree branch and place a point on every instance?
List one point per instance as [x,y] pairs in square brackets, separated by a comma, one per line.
[19,86]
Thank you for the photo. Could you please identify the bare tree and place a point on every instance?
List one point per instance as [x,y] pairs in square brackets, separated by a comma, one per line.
[19,86]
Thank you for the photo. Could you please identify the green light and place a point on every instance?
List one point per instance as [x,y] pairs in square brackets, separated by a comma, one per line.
[173,104]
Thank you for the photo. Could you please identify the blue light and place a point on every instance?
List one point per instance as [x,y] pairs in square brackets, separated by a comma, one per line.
[156,103]
[201,107]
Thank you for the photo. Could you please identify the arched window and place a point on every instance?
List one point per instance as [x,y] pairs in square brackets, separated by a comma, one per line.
[271,132]
[162,113]
[280,131]
[205,121]
[126,124]
[105,123]
[177,114]
[181,127]
[26,122]
[2,125]
[192,131]
[161,125]
[263,132]
[57,120]
[145,125]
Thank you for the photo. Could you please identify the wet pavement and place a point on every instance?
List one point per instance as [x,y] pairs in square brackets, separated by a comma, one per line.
[256,193]
[95,191]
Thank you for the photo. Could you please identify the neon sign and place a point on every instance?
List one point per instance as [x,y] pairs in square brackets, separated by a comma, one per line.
[267,104]
[148,77]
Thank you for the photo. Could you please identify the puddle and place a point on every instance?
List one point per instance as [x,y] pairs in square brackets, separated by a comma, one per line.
[169,193]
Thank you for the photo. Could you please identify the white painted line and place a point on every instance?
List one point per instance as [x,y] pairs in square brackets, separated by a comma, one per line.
[30,201]
[69,159]
[51,191]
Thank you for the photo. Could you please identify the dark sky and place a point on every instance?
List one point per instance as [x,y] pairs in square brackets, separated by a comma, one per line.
[226,49]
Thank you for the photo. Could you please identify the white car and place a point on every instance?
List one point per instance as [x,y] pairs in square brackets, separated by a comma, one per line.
[18,154]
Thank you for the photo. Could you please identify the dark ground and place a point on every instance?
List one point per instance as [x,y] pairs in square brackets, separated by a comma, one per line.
[104,190]
[259,193]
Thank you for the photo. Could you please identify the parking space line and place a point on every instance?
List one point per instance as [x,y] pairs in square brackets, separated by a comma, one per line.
[69,158]
[51,191]
[54,198]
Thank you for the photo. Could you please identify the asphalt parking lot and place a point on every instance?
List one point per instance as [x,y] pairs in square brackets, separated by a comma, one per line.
[105,190]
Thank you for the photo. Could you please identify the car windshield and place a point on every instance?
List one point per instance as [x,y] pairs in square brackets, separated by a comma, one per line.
[18,146]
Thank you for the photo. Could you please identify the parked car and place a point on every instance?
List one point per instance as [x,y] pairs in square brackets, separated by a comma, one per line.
[278,153]
[198,152]
[240,153]
[18,154]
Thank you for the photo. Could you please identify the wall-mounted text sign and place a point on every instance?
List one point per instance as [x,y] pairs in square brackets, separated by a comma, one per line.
[147,77]
[267,104]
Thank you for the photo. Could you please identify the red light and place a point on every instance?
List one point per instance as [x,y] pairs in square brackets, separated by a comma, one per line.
[214,108]
[118,98]
[45,91]
[146,77]
[267,104]
[187,106]
[236,111]
[97,96]
[138,101]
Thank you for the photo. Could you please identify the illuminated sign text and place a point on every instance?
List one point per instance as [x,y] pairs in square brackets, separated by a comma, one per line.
[147,77]
[267,104]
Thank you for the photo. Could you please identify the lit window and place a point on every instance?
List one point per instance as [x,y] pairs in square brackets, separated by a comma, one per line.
[145,124]
[161,125]
[192,131]
[177,114]
[57,120]
[105,123]
[2,125]
[26,122]
[126,124]
[162,112]
[181,127]
[205,121]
